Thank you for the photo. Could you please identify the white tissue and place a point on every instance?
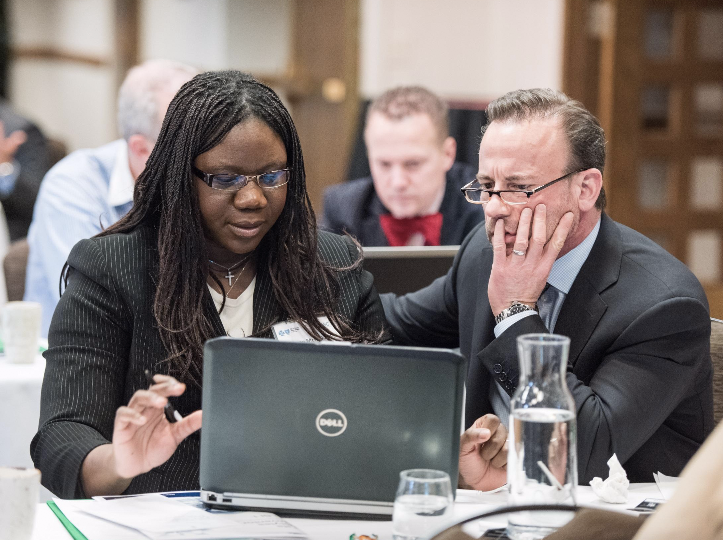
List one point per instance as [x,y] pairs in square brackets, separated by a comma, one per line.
[615,488]
[666,484]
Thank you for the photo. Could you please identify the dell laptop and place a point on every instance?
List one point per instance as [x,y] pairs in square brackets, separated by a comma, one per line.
[324,428]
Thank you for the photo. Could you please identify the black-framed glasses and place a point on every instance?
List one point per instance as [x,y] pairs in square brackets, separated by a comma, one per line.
[235,182]
[478,195]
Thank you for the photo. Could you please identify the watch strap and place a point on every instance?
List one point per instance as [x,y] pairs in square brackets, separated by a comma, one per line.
[515,308]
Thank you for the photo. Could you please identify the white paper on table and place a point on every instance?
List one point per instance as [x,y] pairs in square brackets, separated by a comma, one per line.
[666,484]
[472,496]
[187,518]
[154,513]
[245,525]
[95,528]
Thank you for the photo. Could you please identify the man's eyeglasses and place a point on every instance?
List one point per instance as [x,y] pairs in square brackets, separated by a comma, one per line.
[478,195]
[235,182]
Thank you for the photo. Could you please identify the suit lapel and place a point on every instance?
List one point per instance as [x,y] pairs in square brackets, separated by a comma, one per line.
[373,233]
[210,308]
[266,309]
[583,307]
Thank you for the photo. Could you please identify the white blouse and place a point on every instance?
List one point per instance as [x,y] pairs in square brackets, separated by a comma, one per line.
[238,313]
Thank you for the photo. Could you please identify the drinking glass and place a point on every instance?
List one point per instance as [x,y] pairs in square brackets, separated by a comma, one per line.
[542,458]
[423,504]
[18,500]
[21,331]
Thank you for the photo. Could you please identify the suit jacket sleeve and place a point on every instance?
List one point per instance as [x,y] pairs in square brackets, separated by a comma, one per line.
[429,317]
[369,313]
[638,383]
[331,219]
[87,363]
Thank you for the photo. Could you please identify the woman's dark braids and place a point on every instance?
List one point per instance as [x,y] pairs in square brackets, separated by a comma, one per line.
[199,117]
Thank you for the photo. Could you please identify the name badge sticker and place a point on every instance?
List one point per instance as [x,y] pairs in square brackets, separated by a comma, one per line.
[292,331]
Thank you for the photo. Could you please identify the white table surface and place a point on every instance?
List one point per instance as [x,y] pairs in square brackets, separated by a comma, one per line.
[20,386]
[47,525]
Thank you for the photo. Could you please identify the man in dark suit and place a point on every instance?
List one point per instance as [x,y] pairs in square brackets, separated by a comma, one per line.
[24,160]
[412,197]
[639,366]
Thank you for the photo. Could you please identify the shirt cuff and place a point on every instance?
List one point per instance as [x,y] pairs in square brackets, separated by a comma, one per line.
[7,181]
[512,319]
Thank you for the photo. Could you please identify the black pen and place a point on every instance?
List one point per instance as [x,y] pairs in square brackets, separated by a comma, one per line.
[172,415]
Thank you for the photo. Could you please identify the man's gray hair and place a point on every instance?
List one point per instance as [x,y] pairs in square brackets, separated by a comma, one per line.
[584,133]
[138,103]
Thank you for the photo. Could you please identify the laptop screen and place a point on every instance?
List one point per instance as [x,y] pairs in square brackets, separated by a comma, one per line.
[407,269]
[323,420]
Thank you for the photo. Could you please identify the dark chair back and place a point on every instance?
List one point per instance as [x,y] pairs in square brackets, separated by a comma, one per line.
[14,264]
[716,356]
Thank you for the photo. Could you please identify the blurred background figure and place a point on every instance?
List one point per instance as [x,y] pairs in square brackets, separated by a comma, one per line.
[24,160]
[91,189]
[413,194]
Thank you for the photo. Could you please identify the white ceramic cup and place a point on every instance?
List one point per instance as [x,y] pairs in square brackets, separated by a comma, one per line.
[21,331]
[18,500]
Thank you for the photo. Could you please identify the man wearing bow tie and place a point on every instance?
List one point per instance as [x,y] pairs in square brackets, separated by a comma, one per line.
[412,197]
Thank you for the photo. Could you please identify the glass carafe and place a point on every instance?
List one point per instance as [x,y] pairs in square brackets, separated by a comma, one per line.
[542,459]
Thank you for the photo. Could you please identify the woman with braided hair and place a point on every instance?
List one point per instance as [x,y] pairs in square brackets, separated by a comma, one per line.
[221,240]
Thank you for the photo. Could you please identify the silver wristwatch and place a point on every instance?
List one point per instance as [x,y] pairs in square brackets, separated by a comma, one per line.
[515,308]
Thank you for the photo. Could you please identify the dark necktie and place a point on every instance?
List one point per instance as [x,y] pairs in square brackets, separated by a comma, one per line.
[546,305]
[399,231]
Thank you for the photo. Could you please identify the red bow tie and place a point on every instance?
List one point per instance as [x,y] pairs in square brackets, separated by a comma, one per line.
[399,231]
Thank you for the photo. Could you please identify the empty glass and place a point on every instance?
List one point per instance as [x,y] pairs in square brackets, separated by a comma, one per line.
[423,504]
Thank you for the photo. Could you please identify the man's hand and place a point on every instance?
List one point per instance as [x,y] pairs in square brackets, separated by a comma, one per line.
[483,455]
[10,144]
[522,277]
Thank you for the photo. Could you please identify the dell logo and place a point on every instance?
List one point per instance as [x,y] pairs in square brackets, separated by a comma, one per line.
[331,422]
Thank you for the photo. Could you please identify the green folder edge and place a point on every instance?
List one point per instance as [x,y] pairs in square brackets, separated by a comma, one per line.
[42,346]
[72,529]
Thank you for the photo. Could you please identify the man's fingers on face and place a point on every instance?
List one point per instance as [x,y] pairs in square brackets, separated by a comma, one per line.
[539,228]
[498,240]
[523,230]
[560,234]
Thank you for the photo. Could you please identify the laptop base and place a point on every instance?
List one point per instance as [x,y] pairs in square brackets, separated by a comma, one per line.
[300,506]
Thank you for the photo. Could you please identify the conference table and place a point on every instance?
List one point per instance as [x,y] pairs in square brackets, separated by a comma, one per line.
[468,503]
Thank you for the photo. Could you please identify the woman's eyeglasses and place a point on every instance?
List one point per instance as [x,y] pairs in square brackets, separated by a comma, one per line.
[235,182]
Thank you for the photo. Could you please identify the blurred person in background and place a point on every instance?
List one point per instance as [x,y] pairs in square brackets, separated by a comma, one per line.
[91,189]
[24,160]
[412,196]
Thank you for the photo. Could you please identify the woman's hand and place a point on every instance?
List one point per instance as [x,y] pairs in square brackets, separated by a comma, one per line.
[483,455]
[142,436]
[142,439]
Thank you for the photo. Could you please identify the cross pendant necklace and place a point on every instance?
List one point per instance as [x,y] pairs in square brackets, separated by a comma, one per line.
[229,276]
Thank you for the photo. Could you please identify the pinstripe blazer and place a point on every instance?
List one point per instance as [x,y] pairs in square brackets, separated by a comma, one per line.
[103,336]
